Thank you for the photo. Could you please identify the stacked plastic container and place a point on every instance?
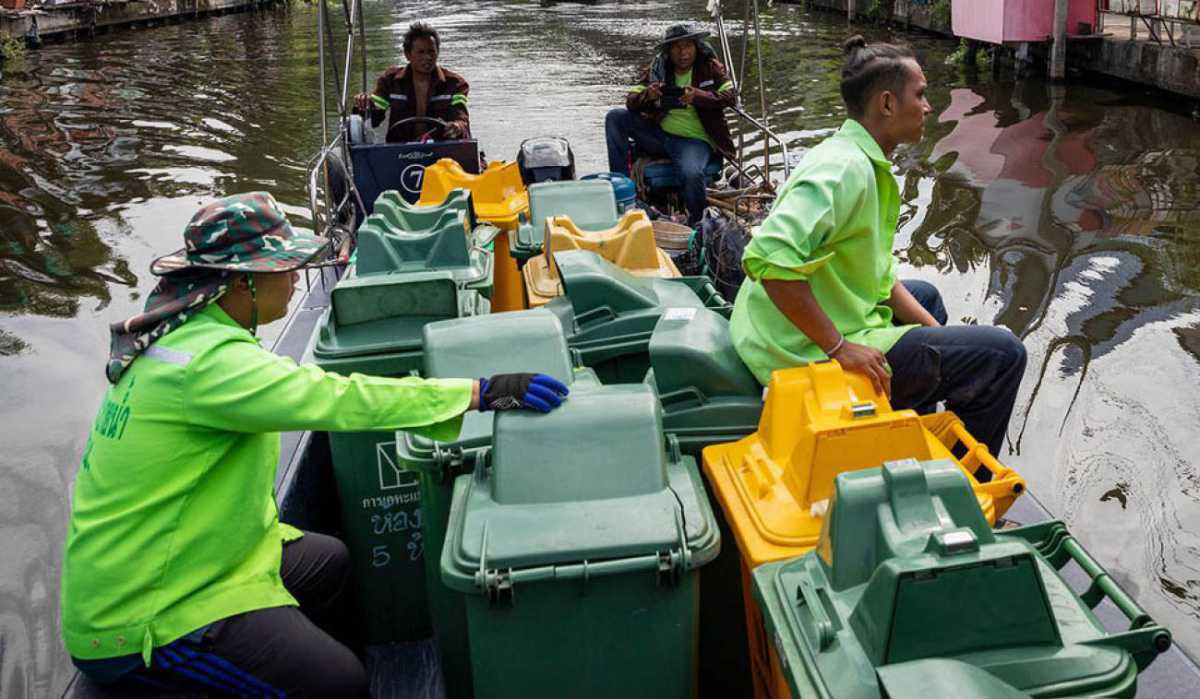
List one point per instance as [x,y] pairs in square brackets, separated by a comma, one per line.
[402,281]
[401,245]
[575,546]
[590,205]
[629,245]
[499,198]
[523,341]
[774,486]
[911,595]
[609,314]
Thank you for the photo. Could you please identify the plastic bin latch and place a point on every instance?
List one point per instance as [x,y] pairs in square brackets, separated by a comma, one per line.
[499,587]
[861,409]
[497,584]
[673,563]
[955,541]
[449,462]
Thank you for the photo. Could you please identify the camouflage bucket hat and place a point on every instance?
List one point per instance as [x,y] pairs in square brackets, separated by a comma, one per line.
[241,233]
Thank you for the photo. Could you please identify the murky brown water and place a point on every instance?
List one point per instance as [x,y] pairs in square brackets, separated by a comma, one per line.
[1072,218]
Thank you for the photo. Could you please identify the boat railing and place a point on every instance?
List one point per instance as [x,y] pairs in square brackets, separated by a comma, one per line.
[758,176]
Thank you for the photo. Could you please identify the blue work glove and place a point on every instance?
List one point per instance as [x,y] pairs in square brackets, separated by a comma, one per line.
[526,391]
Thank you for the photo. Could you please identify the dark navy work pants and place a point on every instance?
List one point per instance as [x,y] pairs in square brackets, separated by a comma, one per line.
[689,155]
[975,369]
[273,652]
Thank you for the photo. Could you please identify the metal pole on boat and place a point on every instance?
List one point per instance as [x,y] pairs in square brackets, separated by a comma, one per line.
[362,41]
[762,90]
[1058,53]
[321,65]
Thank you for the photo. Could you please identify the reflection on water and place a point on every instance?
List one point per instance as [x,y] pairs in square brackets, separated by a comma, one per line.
[1070,216]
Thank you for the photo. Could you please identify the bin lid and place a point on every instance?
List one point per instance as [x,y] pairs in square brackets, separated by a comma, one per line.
[623,187]
[387,312]
[691,349]
[592,283]
[383,247]
[590,204]
[818,422]
[908,570]
[590,481]
[413,217]
[519,341]
[498,193]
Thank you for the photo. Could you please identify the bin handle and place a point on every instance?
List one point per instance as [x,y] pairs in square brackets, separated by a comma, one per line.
[823,626]
[980,451]
[1145,638]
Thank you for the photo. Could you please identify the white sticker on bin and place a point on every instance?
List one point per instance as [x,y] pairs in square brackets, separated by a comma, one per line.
[681,313]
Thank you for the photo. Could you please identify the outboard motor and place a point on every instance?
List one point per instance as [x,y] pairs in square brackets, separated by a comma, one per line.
[544,158]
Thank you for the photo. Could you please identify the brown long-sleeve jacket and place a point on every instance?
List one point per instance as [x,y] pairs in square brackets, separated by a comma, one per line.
[447,101]
[709,99]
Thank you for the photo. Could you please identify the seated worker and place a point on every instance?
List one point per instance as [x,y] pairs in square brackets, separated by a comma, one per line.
[178,575]
[420,89]
[678,111]
[821,278]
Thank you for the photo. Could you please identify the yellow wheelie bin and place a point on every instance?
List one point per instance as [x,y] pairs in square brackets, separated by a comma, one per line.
[629,245]
[774,486]
[499,197]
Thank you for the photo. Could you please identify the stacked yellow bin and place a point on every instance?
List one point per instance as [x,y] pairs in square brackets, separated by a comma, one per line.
[629,245]
[500,199]
[774,486]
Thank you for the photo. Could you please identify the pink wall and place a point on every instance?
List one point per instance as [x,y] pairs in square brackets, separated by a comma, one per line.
[998,21]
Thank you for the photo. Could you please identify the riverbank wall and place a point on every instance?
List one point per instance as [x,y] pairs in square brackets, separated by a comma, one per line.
[1114,53]
[71,20]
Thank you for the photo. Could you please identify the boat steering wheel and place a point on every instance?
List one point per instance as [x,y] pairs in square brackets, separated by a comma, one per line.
[439,130]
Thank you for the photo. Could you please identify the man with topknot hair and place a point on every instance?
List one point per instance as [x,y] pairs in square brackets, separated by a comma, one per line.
[821,277]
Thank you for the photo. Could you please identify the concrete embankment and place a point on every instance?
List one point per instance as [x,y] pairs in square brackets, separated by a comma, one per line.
[1140,60]
[84,19]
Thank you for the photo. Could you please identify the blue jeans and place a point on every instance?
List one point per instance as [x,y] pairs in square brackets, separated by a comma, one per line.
[689,155]
[975,369]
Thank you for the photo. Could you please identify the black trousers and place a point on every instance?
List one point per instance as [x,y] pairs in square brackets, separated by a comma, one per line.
[273,652]
[975,369]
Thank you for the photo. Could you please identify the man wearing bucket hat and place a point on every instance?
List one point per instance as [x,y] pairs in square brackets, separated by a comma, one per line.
[676,110]
[178,574]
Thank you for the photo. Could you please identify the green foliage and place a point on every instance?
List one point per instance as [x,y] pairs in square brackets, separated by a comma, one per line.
[939,12]
[11,49]
[875,12]
[982,56]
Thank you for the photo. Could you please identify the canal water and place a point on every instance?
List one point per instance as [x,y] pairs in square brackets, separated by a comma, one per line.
[1069,216]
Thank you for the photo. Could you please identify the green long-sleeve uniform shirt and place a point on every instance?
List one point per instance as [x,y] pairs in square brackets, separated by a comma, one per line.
[174,524]
[832,225]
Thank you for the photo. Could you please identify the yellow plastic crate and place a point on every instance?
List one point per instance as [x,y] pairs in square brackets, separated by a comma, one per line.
[629,245]
[500,198]
[774,486]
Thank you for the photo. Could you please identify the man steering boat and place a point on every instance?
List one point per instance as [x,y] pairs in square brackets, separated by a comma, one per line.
[416,97]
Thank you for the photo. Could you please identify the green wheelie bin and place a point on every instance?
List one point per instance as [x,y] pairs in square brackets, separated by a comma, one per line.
[520,341]
[450,245]
[374,326]
[910,595]
[590,204]
[609,314]
[575,544]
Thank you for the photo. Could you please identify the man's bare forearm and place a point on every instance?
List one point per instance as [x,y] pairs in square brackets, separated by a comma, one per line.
[907,309]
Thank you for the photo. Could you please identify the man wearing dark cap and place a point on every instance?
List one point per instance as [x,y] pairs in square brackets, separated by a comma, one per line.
[178,576]
[677,110]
